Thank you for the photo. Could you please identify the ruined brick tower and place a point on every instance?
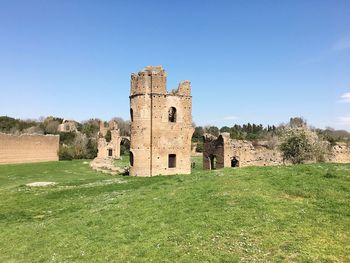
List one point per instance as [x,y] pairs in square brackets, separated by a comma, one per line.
[161,125]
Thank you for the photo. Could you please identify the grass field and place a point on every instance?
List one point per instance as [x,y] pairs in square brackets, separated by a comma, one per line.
[255,214]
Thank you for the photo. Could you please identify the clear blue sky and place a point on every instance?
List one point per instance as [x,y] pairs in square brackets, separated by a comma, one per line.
[248,61]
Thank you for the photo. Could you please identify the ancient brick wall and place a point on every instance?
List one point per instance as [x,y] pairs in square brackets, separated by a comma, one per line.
[224,149]
[28,148]
[155,137]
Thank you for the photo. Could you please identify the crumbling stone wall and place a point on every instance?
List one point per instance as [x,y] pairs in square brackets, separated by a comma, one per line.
[109,149]
[225,149]
[259,154]
[28,148]
[213,152]
[340,153]
[67,126]
[161,125]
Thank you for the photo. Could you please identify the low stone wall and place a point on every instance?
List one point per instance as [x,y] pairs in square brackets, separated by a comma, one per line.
[28,148]
[249,155]
[219,151]
[340,153]
[261,155]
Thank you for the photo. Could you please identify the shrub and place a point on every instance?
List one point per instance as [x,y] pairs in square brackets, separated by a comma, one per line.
[125,147]
[108,136]
[301,144]
[91,149]
[199,147]
[67,137]
[65,153]
[296,149]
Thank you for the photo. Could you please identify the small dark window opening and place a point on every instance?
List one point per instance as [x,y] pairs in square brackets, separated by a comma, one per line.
[131,159]
[172,114]
[131,115]
[172,161]
[110,152]
[234,162]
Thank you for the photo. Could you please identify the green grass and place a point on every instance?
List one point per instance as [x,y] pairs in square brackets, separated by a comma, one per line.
[123,161]
[264,214]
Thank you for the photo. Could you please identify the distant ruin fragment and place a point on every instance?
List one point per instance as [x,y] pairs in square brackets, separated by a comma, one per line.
[68,126]
[109,141]
[161,125]
[221,151]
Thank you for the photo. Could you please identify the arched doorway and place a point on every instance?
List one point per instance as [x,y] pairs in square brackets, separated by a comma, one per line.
[212,160]
[235,161]
[131,159]
[124,145]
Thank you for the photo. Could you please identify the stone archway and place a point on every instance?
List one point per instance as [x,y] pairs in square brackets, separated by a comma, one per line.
[213,161]
[235,161]
[124,145]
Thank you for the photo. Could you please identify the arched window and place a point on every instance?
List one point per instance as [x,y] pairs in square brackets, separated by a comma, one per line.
[131,159]
[131,115]
[172,114]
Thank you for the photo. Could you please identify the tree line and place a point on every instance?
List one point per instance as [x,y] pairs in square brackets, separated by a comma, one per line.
[290,137]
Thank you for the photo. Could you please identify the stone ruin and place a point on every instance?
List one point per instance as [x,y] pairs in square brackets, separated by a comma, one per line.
[109,149]
[340,153]
[222,151]
[161,125]
[68,126]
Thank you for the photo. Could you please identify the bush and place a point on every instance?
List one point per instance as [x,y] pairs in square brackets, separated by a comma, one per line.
[91,149]
[199,147]
[125,147]
[108,136]
[301,144]
[90,128]
[67,137]
[296,149]
[65,153]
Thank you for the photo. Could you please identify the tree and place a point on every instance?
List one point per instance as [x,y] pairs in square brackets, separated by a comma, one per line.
[296,149]
[108,136]
[225,129]
[301,144]
[213,130]
[91,148]
[197,134]
[90,128]
[51,126]
[80,146]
